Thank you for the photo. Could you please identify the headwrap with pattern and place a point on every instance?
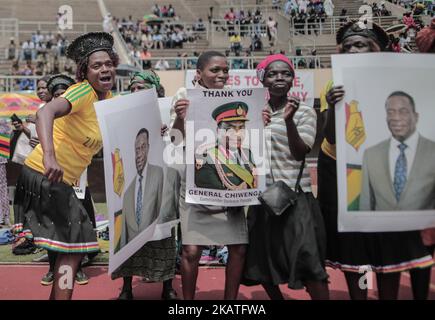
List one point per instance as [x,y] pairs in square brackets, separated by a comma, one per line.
[149,77]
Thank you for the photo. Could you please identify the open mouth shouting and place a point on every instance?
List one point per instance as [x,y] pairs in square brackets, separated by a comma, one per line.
[106,81]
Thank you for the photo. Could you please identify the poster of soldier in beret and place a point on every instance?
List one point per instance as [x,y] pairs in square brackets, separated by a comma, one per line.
[385,141]
[225,150]
[141,191]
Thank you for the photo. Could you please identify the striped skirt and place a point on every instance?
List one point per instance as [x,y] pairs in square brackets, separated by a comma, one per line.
[52,215]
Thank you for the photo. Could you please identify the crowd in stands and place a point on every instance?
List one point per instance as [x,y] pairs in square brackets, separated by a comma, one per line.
[45,53]
[412,24]
[38,55]
[164,11]
[299,6]
[239,25]
[307,13]
[424,7]
[380,11]
[248,22]
[142,36]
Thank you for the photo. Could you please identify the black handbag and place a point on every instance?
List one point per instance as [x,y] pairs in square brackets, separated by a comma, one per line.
[279,197]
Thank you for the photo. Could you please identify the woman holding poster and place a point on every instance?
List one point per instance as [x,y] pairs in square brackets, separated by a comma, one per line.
[203,225]
[385,253]
[155,261]
[45,200]
[420,278]
[271,260]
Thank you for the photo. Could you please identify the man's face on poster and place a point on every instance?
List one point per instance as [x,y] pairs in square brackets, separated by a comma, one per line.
[141,147]
[231,133]
[401,117]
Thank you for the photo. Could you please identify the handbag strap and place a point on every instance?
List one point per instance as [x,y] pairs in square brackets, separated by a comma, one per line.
[298,181]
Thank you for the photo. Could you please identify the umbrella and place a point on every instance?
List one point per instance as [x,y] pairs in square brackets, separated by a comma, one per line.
[22,104]
[398,28]
[426,2]
[152,19]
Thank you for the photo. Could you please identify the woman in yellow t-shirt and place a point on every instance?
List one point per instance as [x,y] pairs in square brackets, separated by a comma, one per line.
[45,202]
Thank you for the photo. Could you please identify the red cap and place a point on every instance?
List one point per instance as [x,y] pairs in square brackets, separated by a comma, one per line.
[261,67]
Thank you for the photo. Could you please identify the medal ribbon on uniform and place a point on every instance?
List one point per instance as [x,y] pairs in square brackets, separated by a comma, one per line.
[241,172]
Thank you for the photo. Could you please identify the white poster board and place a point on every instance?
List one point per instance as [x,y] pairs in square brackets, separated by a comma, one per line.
[165,108]
[80,188]
[218,175]
[133,158]
[376,192]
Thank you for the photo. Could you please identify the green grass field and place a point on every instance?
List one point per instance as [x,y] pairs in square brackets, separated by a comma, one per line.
[7,257]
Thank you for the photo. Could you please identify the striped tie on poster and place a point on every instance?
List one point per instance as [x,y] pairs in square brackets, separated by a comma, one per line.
[5,145]
[355,136]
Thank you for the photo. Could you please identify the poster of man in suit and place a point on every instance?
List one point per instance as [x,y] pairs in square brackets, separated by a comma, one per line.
[143,197]
[385,142]
[226,147]
[399,172]
[141,190]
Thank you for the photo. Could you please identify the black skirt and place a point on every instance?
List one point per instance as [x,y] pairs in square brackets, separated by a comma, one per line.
[383,251]
[286,249]
[156,261]
[52,215]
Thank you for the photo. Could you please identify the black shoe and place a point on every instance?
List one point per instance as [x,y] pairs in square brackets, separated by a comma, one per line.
[85,261]
[170,294]
[43,258]
[81,278]
[47,279]
[125,295]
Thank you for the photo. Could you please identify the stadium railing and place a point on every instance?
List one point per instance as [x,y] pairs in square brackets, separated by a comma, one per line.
[331,25]
[10,83]
[265,9]
[30,27]
[185,63]
[220,25]
[9,28]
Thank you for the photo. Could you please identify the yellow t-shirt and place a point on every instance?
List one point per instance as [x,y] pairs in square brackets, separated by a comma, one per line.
[235,39]
[327,148]
[76,136]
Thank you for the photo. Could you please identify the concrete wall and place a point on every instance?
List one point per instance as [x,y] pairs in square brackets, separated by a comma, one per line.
[283,33]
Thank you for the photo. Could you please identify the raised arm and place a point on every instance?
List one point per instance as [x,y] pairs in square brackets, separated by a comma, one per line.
[298,147]
[333,96]
[180,108]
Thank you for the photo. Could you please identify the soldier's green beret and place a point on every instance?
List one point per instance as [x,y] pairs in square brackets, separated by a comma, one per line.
[232,111]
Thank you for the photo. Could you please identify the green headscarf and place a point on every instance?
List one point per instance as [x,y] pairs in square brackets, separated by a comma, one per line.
[150,78]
